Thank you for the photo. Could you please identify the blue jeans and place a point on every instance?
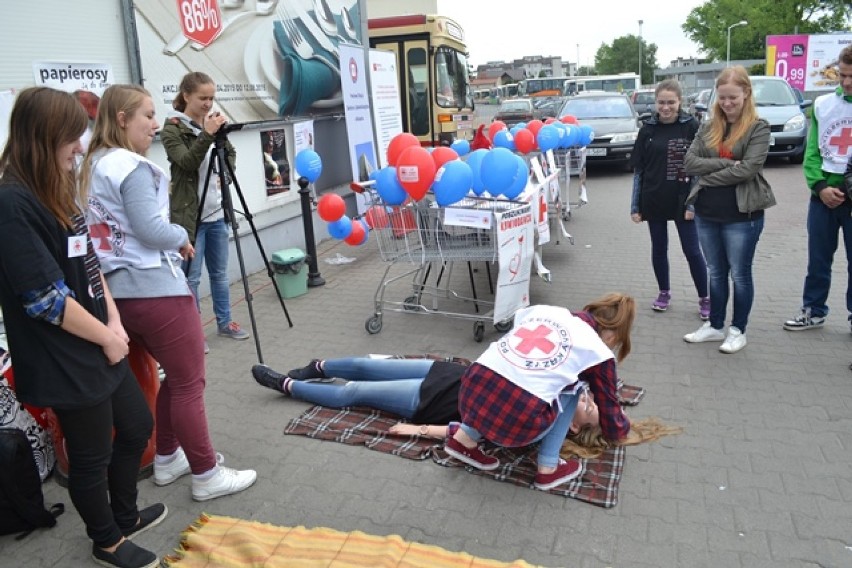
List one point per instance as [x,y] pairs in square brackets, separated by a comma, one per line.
[729,250]
[824,224]
[392,385]
[688,235]
[211,247]
[552,438]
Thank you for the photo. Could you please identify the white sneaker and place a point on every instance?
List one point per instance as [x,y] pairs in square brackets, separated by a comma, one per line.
[226,481]
[735,341]
[170,472]
[704,333]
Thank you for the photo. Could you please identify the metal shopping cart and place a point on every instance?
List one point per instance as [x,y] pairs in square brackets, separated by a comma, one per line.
[571,162]
[428,242]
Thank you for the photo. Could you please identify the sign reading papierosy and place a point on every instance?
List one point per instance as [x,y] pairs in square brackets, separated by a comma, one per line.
[200,20]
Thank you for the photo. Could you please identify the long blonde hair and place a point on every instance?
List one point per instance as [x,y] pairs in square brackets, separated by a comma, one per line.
[590,442]
[108,132]
[42,120]
[715,133]
[615,312]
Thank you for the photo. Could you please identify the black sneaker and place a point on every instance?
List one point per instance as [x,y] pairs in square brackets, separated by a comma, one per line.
[127,555]
[310,371]
[268,378]
[148,517]
[804,321]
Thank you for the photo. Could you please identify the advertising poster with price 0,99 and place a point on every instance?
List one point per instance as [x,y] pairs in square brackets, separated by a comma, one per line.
[807,62]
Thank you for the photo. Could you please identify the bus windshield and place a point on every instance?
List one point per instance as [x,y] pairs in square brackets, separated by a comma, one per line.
[451,79]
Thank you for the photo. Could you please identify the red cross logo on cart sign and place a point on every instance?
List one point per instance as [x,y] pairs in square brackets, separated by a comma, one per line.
[534,339]
[842,141]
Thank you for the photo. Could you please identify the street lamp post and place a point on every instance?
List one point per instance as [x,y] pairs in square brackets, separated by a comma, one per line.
[640,53]
[732,26]
[577,72]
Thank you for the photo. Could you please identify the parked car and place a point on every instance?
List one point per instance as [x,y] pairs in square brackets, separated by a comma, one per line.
[548,106]
[614,121]
[513,111]
[702,98]
[644,101]
[781,106]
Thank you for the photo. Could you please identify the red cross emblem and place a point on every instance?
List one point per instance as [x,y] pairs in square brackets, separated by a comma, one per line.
[842,141]
[101,232]
[534,339]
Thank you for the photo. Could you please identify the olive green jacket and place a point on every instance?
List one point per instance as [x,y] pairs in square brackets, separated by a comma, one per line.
[744,170]
[186,146]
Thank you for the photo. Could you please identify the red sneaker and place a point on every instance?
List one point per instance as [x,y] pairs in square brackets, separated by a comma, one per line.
[471,456]
[564,472]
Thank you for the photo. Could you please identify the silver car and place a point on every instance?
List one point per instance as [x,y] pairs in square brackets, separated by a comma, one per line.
[778,103]
[614,120]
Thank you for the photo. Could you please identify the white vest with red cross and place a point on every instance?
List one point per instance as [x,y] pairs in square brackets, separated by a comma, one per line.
[546,351]
[834,119]
[116,245]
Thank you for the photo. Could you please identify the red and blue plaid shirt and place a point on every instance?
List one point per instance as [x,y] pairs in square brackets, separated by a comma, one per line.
[510,416]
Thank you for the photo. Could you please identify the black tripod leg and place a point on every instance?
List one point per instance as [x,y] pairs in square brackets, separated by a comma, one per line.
[250,218]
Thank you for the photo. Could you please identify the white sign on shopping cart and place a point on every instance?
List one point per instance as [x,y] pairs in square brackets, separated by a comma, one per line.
[515,236]
[459,217]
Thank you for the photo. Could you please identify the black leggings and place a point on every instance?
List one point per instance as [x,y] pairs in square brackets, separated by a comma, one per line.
[102,469]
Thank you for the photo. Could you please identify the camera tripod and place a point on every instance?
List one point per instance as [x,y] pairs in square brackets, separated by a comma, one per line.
[218,164]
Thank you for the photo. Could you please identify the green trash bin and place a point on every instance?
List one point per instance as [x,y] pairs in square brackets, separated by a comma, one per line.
[291,272]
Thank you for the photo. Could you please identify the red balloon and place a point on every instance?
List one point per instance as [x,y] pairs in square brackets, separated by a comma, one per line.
[377,217]
[357,236]
[550,120]
[416,170]
[442,154]
[399,143]
[331,207]
[524,141]
[569,119]
[496,127]
[534,126]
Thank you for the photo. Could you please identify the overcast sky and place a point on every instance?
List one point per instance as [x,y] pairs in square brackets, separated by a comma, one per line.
[510,29]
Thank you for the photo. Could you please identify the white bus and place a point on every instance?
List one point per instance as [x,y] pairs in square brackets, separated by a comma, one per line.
[621,83]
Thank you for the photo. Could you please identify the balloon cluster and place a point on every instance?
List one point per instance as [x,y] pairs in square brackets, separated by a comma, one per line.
[548,135]
[332,208]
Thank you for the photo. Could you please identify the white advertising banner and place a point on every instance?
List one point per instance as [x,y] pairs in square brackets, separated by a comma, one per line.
[72,77]
[384,89]
[515,235]
[356,105]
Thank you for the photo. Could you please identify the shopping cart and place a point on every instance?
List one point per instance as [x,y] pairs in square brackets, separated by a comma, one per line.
[427,242]
[571,162]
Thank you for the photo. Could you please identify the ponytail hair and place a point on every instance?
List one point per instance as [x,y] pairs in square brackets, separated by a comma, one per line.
[188,85]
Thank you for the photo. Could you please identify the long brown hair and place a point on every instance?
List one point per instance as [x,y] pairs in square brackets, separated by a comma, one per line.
[615,312]
[738,76]
[108,132]
[42,120]
[188,85]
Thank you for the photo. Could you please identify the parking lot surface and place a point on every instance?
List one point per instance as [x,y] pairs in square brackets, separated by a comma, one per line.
[760,477]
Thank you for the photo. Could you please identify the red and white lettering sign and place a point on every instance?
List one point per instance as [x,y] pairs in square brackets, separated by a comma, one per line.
[201,20]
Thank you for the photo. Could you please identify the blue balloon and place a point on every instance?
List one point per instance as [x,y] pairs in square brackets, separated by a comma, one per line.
[514,129]
[474,160]
[521,125]
[547,138]
[574,135]
[503,139]
[389,188]
[341,228]
[309,164]
[498,170]
[452,182]
[587,135]
[461,146]
[519,183]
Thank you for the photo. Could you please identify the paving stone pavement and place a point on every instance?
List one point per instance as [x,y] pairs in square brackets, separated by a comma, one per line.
[760,477]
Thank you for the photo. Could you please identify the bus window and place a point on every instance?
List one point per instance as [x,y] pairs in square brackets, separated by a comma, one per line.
[451,79]
[418,91]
